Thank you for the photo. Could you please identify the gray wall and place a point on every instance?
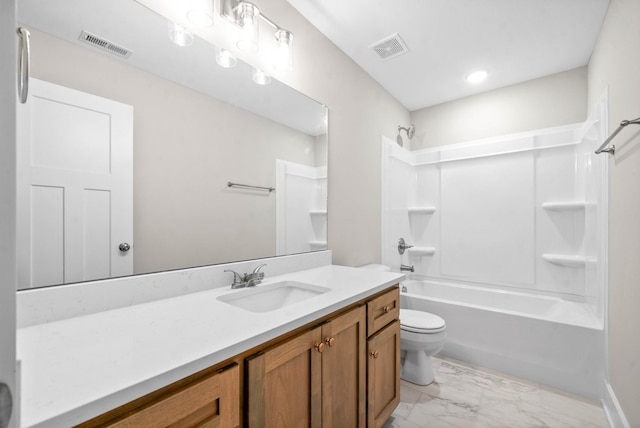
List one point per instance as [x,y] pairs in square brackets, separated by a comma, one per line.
[549,101]
[616,63]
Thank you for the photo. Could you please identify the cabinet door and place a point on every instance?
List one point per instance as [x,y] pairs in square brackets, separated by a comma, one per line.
[285,384]
[209,403]
[344,370]
[383,382]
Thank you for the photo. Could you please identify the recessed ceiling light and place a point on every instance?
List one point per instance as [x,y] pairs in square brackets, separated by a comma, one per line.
[477,76]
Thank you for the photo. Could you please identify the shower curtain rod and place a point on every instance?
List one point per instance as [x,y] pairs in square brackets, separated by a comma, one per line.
[612,150]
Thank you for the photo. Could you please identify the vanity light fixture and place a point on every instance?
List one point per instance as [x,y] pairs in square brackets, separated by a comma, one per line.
[225,59]
[260,77]
[477,76]
[247,16]
[180,35]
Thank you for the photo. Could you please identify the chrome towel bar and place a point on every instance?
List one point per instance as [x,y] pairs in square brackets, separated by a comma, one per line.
[612,150]
[247,186]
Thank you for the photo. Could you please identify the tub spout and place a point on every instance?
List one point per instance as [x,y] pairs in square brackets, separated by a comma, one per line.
[406,268]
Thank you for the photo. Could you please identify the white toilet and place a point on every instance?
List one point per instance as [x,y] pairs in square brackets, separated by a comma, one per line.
[421,335]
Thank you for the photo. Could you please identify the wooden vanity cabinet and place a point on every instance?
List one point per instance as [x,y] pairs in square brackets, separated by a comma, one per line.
[383,357]
[342,370]
[316,379]
[210,401]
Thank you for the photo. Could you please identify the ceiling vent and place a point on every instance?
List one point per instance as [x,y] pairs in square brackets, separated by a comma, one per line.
[390,47]
[104,44]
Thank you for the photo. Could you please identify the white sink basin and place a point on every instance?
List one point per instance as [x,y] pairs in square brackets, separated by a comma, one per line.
[269,297]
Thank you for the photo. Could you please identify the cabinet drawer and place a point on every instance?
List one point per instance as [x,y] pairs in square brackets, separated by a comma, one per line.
[382,310]
[211,402]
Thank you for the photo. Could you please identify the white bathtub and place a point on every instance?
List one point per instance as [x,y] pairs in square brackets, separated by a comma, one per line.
[544,339]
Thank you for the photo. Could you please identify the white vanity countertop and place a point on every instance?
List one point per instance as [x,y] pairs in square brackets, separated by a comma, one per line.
[77,368]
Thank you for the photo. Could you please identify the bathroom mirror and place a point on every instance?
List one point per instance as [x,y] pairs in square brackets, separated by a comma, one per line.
[196,127]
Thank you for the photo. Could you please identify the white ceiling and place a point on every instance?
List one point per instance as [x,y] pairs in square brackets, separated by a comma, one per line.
[514,40]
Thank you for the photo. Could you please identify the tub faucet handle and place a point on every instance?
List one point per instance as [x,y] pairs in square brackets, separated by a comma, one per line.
[402,245]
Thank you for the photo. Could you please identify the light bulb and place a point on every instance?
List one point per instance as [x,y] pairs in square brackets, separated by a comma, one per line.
[260,77]
[283,50]
[179,34]
[225,59]
[247,19]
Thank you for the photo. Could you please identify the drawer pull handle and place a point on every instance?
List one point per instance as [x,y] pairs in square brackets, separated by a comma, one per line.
[331,341]
[319,347]
[386,309]
[374,354]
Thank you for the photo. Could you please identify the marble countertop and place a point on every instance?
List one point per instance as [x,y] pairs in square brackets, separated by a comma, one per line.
[74,369]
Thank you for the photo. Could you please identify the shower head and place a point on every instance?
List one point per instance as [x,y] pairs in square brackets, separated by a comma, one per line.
[411,130]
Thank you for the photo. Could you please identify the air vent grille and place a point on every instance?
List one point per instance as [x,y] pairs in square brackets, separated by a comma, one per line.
[390,47]
[104,45]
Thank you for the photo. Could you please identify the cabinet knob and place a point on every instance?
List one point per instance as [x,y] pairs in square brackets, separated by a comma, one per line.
[319,347]
[374,354]
[330,341]
[386,309]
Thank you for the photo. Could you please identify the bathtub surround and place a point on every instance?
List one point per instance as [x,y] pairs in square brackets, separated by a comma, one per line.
[518,224]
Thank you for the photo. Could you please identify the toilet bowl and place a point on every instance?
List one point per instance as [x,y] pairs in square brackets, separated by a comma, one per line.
[421,335]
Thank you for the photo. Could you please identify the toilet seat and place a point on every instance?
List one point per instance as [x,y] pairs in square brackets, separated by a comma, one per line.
[420,322]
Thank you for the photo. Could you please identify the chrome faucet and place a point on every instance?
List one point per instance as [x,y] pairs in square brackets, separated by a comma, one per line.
[248,279]
[407,268]
[255,277]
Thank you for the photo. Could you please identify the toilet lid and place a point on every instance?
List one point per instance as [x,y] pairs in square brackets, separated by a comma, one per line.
[418,320]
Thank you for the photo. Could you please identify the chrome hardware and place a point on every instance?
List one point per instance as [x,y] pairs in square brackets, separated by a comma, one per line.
[6,405]
[612,149]
[406,268]
[403,246]
[248,279]
[238,282]
[404,289]
[331,341]
[249,186]
[124,247]
[24,62]
[319,347]
[374,354]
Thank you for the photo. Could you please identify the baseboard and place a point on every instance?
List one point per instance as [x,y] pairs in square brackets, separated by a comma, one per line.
[612,408]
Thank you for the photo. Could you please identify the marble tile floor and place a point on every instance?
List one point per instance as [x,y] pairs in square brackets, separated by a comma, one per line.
[466,397]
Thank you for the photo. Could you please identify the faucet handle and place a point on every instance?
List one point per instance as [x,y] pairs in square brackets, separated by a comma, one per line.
[257,270]
[237,278]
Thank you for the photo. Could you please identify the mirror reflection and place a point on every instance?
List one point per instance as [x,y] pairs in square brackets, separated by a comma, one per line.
[125,158]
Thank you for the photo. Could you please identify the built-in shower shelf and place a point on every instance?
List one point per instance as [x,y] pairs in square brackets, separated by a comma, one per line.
[568,260]
[422,210]
[421,251]
[318,213]
[318,245]
[565,205]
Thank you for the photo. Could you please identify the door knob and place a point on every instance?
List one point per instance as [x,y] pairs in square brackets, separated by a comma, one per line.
[319,347]
[124,247]
[330,341]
